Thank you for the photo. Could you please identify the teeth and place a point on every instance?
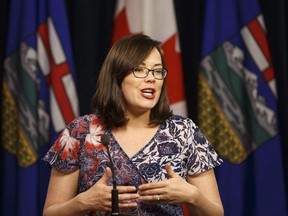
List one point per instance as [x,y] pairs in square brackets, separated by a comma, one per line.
[147,90]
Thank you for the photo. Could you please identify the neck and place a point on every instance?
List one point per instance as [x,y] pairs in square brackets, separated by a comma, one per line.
[138,120]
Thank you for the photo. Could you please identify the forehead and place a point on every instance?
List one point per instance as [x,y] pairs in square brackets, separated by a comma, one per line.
[154,58]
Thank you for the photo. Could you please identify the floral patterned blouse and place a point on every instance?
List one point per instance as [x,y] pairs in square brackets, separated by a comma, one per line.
[178,141]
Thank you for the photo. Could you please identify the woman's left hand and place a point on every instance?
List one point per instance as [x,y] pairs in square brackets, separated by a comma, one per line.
[174,190]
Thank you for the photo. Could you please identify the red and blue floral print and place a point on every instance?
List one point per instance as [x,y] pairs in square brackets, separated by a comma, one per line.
[177,141]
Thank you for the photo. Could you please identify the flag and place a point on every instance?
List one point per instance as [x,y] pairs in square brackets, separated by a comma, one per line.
[149,17]
[38,99]
[237,107]
[157,20]
[238,81]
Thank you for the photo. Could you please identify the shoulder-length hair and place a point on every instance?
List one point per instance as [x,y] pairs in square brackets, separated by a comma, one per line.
[108,101]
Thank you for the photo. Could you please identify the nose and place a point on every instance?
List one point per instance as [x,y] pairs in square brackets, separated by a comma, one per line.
[150,77]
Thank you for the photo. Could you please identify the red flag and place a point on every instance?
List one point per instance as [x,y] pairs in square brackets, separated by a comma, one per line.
[149,18]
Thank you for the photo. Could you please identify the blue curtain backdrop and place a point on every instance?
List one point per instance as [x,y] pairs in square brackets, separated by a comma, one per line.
[257,185]
[36,68]
[254,187]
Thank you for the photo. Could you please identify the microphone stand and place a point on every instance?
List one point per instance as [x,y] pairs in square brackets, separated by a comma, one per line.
[114,192]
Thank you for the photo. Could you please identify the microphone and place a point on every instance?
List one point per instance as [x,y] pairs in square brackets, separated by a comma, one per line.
[115,208]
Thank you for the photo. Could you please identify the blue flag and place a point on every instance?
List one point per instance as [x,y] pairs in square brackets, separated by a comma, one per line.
[237,80]
[238,108]
[39,99]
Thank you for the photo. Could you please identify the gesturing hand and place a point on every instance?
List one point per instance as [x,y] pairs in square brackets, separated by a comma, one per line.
[98,197]
[174,190]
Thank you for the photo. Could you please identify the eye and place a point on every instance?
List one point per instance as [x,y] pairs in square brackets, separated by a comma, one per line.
[158,70]
[138,69]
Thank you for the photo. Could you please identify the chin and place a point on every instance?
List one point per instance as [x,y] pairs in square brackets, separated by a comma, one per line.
[144,109]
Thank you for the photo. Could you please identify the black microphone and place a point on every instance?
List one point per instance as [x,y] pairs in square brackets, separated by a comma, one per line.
[115,208]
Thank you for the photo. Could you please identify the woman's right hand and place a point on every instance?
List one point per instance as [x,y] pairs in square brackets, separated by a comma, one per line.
[98,197]
[63,199]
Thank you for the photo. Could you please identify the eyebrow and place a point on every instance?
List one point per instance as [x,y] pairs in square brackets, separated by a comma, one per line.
[155,65]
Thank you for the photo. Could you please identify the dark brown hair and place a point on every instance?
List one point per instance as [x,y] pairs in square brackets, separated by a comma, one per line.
[108,101]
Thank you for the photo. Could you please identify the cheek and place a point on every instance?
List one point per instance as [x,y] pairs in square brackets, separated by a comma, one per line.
[129,89]
[160,87]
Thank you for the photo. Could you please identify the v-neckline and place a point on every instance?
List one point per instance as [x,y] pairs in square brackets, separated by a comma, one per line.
[114,140]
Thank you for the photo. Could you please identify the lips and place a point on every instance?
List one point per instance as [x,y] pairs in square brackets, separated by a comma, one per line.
[148,93]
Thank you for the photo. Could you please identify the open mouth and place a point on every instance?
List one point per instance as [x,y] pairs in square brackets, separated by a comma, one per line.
[148,92]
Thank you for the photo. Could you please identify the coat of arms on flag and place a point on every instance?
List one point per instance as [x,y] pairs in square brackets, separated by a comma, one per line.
[39,94]
[237,93]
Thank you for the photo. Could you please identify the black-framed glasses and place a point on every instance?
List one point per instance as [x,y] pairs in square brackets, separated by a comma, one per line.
[142,72]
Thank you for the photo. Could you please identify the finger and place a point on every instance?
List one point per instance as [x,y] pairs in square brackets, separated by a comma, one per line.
[126,189]
[151,198]
[152,186]
[170,171]
[151,192]
[127,204]
[128,197]
[106,176]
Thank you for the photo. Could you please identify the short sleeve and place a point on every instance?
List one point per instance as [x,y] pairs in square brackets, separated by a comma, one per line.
[64,154]
[203,156]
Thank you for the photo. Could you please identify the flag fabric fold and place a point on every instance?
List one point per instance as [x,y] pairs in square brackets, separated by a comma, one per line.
[237,106]
[148,17]
[38,98]
[238,75]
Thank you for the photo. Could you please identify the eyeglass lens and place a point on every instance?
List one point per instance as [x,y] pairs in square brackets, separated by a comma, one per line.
[141,72]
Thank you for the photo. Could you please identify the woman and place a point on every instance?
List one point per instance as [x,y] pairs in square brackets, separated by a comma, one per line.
[161,160]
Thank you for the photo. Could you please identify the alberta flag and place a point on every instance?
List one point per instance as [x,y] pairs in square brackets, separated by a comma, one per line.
[238,108]
[38,99]
[237,80]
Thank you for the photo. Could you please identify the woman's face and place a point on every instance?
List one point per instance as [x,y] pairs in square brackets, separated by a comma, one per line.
[142,94]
